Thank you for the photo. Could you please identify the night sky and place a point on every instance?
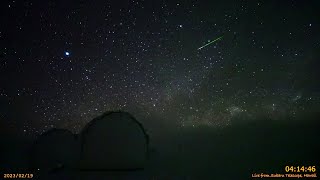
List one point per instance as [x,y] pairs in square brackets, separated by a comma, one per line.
[62,63]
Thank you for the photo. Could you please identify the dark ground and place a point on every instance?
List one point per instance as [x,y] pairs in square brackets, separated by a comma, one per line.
[234,152]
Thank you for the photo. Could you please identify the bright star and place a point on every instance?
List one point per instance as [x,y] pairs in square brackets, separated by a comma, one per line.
[67,53]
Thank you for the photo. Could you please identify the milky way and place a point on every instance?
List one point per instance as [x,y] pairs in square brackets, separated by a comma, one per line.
[64,63]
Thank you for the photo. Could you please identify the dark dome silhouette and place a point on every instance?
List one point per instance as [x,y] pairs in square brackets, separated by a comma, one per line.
[54,150]
[114,141]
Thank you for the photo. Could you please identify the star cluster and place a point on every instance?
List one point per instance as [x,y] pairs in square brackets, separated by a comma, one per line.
[64,63]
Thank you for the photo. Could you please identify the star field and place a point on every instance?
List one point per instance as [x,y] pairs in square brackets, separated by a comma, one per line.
[64,63]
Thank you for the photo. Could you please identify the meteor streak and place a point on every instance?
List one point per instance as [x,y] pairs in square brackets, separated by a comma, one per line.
[210,42]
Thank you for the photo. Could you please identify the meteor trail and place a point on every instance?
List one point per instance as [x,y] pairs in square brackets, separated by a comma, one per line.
[210,42]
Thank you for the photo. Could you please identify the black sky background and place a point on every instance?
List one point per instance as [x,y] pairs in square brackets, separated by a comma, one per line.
[142,57]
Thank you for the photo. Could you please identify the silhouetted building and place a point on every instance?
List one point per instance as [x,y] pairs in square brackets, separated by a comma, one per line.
[114,141]
[114,144]
[55,150]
